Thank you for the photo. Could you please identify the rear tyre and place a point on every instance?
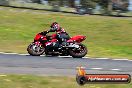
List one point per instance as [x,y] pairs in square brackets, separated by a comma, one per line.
[33,52]
[79,52]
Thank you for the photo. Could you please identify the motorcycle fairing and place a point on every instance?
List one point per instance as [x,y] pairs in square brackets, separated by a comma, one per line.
[78,38]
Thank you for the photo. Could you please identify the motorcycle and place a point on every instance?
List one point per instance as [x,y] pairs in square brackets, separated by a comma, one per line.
[49,45]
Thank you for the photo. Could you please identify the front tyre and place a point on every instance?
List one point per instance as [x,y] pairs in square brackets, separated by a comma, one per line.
[78,52]
[81,80]
[35,50]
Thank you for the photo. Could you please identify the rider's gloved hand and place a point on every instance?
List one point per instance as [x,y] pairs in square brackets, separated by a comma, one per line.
[52,30]
[44,33]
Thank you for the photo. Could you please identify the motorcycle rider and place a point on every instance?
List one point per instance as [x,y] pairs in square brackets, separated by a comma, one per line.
[61,35]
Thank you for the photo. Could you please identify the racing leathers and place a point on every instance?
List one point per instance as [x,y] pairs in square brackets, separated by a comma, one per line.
[60,35]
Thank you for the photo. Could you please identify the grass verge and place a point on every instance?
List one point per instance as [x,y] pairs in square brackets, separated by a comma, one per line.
[106,36]
[31,81]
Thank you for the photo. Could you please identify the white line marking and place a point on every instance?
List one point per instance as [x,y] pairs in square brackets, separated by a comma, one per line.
[129,60]
[8,53]
[64,56]
[115,69]
[102,58]
[96,68]
[42,55]
[119,59]
[23,54]
[13,53]
[85,57]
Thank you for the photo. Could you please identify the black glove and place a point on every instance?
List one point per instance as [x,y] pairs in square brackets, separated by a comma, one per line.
[44,33]
[51,30]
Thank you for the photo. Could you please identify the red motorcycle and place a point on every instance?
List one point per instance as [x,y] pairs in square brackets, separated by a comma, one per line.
[47,44]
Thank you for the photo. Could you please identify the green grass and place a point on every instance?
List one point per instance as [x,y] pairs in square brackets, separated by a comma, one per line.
[106,36]
[31,81]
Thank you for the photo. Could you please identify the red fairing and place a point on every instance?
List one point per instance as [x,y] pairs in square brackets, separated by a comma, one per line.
[78,38]
[54,40]
[54,36]
[38,36]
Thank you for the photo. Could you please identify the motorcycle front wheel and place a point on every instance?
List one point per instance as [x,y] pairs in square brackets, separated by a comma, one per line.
[35,50]
[78,52]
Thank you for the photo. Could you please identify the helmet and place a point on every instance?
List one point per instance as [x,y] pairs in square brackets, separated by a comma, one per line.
[55,26]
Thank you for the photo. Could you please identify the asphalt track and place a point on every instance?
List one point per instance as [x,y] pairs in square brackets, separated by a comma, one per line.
[60,66]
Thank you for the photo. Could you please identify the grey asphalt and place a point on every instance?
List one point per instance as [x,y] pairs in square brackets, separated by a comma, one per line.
[60,66]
